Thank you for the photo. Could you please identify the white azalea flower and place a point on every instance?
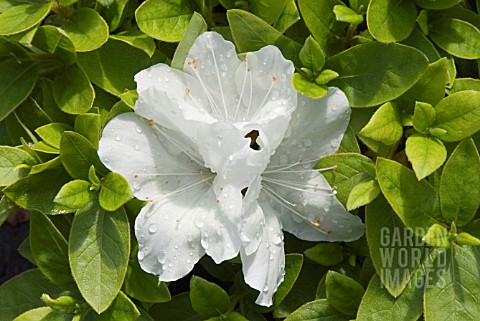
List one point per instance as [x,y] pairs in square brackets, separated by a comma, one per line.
[291,195]
[187,149]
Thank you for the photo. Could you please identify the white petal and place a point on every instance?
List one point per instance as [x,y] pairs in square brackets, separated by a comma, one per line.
[172,99]
[316,129]
[147,157]
[308,207]
[264,269]
[169,242]
[213,61]
[252,220]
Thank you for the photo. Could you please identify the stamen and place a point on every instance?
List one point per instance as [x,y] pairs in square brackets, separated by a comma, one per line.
[207,93]
[263,101]
[241,92]
[184,188]
[297,187]
[300,161]
[151,123]
[219,81]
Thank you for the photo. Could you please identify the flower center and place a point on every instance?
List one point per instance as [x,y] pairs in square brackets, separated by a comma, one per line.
[253,135]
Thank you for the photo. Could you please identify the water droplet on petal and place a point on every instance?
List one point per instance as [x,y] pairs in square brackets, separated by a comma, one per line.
[176,246]
[153,228]
[139,130]
[137,147]
[162,257]
[265,289]
[141,255]
[118,138]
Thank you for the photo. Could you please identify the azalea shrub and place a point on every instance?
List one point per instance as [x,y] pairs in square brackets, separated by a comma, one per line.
[242,159]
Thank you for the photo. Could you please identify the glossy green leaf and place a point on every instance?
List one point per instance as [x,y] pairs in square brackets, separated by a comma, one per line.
[466,239]
[346,14]
[10,160]
[17,80]
[23,16]
[89,126]
[43,314]
[454,292]
[459,192]
[293,266]
[87,30]
[419,41]
[165,20]
[115,14]
[51,40]
[425,153]
[459,115]
[137,39]
[7,208]
[311,55]
[208,299]
[288,17]
[391,20]
[50,250]
[437,236]
[308,88]
[122,308]
[343,292]
[115,192]
[36,192]
[396,69]
[179,308]
[362,194]
[385,125]
[349,142]
[22,293]
[461,84]
[436,4]
[75,194]
[423,116]
[326,254]
[457,37]
[415,202]
[318,310]
[325,76]
[268,10]
[52,133]
[98,250]
[73,91]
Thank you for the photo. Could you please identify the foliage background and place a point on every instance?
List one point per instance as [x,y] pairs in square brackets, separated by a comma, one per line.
[408,162]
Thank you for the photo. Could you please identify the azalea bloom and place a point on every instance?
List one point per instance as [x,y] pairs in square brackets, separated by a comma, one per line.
[199,149]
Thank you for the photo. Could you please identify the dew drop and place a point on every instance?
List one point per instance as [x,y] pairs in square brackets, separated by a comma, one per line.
[176,246]
[118,138]
[189,261]
[136,186]
[138,129]
[265,289]
[153,228]
[137,147]
[267,245]
[141,255]
[162,257]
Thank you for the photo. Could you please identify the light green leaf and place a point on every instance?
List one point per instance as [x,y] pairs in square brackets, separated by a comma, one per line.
[396,69]
[75,194]
[454,293]
[51,40]
[50,251]
[308,88]
[415,202]
[461,84]
[98,250]
[437,236]
[208,299]
[87,30]
[10,159]
[345,14]
[115,192]
[436,4]
[326,254]
[459,115]
[362,194]
[318,310]
[325,76]
[72,90]
[385,125]
[165,20]
[459,184]
[466,239]
[457,37]
[425,153]
[43,314]
[122,308]
[293,266]
[114,15]
[51,164]
[23,16]
[268,10]
[343,292]
[7,208]
[349,142]
[419,41]
[52,133]
[89,126]
[137,39]
[17,80]
[423,116]
[391,20]
[288,17]
[311,55]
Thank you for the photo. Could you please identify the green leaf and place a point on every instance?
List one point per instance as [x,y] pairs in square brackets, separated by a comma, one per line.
[425,153]
[122,308]
[362,194]
[165,20]
[43,314]
[51,40]
[436,4]
[115,192]
[115,74]
[7,208]
[343,292]
[325,76]
[208,299]
[288,17]
[437,236]
[396,69]
[391,20]
[307,88]
[23,16]
[87,30]
[415,202]
[423,116]
[89,126]
[349,142]
[137,39]
[323,25]
[98,250]
[345,14]
[293,266]
[461,84]
[17,80]
[51,164]
[318,310]
[311,55]
[36,192]
[351,168]
[466,239]
[459,115]
[75,194]
[115,14]
[459,192]
[419,41]
[52,133]
[78,154]
[178,309]
[457,37]
[268,10]
[454,292]
[50,250]
[23,292]
[385,125]
[73,91]
[195,28]
[10,160]
[326,254]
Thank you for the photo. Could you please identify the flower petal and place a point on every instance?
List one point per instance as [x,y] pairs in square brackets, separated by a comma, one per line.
[150,158]
[213,61]
[168,240]
[308,208]
[252,220]
[316,129]
[264,269]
